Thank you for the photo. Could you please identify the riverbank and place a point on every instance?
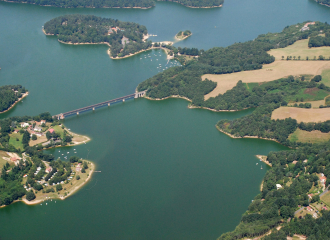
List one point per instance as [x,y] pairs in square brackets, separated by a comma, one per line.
[13,105]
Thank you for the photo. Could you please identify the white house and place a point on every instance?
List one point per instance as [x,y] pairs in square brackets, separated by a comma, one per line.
[23,125]
[278,186]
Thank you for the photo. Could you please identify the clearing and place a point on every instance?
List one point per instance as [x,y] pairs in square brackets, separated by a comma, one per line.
[300,48]
[326,198]
[309,137]
[302,114]
[278,69]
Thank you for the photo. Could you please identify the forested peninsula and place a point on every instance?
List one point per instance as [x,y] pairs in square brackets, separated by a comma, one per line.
[144,4]
[124,38]
[28,174]
[9,95]
[290,198]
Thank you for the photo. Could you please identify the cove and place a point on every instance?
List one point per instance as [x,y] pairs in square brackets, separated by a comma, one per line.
[166,172]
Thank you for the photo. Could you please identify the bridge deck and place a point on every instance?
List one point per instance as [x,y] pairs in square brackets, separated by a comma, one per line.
[98,105]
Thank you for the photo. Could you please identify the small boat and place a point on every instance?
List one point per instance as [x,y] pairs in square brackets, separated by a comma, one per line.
[261,167]
[256,163]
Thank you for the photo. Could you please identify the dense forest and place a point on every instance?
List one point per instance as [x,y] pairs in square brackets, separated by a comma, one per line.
[124,37]
[274,206]
[9,94]
[238,57]
[118,3]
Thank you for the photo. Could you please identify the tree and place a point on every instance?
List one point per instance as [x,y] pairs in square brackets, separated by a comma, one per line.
[26,138]
[59,187]
[282,57]
[77,177]
[34,137]
[315,198]
[30,196]
[83,170]
[73,159]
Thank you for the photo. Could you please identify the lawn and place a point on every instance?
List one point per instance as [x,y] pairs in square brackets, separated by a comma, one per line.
[326,198]
[3,161]
[14,142]
[309,137]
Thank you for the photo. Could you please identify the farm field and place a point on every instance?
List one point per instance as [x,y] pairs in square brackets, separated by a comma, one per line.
[269,72]
[302,114]
[309,137]
[278,69]
[300,48]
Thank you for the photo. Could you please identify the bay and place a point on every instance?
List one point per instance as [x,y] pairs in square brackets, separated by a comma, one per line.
[166,172]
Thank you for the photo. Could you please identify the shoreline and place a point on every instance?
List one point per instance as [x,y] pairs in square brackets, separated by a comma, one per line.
[109,50]
[75,7]
[33,202]
[190,6]
[192,106]
[232,136]
[18,100]
[181,39]
[263,158]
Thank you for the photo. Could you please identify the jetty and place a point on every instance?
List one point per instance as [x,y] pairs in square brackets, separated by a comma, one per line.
[99,105]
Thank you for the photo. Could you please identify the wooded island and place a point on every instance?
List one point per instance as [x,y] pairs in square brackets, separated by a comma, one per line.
[124,38]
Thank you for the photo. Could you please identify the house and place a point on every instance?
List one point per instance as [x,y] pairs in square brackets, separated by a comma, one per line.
[294,162]
[43,121]
[23,125]
[37,129]
[309,208]
[325,208]
[51,130]
[305,161]
[124,41]
[278,186]
[323,179]
[48,170]
[310,196]
[110,31]
[16,130]
[305,27]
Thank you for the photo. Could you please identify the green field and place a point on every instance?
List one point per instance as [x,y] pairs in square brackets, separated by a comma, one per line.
[308,94]
[14,142]
[326,77]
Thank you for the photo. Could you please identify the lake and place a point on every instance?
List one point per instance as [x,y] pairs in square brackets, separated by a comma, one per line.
[166,171]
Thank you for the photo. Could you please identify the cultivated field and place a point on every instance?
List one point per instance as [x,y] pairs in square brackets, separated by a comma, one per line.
[278,69]
[302,114]
[269,72]
[309,137]
[300,48]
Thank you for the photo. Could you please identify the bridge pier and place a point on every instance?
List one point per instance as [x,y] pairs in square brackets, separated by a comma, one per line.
[108,104]
[77,113]
[124,100]
[93,109]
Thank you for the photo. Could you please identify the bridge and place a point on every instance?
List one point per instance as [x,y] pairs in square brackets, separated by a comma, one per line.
[99,105]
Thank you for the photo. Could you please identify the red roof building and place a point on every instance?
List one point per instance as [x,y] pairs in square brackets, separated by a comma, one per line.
[51,130]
